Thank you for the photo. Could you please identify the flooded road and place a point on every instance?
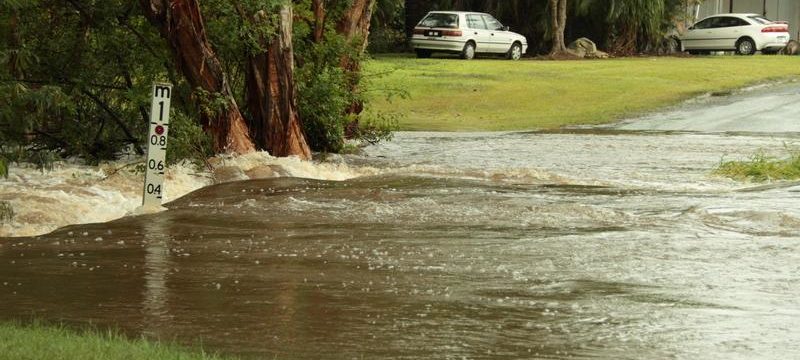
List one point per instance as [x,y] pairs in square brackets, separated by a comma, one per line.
[576,244]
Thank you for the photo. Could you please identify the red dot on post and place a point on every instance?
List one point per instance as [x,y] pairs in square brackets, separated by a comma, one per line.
[159,130]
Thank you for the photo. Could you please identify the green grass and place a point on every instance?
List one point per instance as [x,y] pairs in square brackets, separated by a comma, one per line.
[761,167]
[40,342]
[449,94]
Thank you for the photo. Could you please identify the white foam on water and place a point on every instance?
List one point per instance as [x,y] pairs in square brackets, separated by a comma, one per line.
[78,194]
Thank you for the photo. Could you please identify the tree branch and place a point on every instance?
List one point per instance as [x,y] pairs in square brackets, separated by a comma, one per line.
[116,119]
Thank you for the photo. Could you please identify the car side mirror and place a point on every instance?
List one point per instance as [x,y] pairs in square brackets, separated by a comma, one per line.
[505,28]
[691,27]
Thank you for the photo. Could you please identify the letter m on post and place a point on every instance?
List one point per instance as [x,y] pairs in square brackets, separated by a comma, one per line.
[162,92]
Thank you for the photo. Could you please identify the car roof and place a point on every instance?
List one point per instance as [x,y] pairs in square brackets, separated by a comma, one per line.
[739,15]
[456,12]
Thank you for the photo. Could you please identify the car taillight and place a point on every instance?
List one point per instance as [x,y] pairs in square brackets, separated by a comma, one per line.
[419,32]
[452,33]
[775,29]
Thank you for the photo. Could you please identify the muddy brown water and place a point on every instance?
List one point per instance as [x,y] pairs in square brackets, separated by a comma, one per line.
[524,245]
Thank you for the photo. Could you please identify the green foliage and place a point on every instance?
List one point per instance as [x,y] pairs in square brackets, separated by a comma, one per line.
[377,128]
[386,27]
[323,98]
[75,77]
[322,84]
[187,141]
[761,167]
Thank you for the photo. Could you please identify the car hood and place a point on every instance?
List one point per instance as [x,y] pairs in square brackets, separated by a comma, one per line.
[519,37]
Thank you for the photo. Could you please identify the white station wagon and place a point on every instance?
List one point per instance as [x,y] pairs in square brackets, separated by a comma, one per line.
[744,33]
[466,33]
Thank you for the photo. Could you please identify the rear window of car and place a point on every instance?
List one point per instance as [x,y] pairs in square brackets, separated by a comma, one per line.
[760,20]
[440,20]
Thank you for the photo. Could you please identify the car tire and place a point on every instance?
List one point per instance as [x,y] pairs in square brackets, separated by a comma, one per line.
[422,53]
[515,52]
[745,46]
[468,53]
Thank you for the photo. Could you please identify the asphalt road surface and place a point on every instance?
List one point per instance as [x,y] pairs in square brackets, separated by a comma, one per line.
[760,109]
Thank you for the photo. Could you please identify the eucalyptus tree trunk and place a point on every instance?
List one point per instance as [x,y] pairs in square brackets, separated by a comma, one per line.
[271,94]
[354,26]
[14,43]
[558,24]
[318,6]
[181,25]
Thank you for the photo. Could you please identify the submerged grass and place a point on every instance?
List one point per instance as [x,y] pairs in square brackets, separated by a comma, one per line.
[448,94]
[761,168]
[43,342]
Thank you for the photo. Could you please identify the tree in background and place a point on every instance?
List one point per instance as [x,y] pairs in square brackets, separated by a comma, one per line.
[558,24]
[249,74]
[621,26]
[181,24]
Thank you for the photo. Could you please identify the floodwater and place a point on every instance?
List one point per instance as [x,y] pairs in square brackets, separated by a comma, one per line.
[597,243]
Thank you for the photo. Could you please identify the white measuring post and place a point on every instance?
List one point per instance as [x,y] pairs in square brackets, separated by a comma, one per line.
[157,147]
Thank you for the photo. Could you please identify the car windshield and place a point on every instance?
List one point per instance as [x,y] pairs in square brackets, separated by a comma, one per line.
[440,20]
[492,23]
[760,20]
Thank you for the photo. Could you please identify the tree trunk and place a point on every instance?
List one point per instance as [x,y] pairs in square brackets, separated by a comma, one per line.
[354,26]
[271,95]
[558,23]
[15,43]
[319,20]
[181,24]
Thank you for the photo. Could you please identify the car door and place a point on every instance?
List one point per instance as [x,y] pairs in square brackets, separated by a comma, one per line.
[722,34]
[480,32]
[697,37]
[500,39]
[736,29]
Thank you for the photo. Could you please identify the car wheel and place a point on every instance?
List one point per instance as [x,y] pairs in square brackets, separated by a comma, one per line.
[515,53]
[468,53]
[423,54]
[745,47]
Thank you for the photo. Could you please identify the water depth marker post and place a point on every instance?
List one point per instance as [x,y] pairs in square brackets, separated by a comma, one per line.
[157,146]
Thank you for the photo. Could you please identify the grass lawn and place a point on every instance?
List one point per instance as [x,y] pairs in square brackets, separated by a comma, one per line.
[449,94]
[36,342]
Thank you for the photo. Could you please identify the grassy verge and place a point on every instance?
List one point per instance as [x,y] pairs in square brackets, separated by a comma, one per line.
[48,342]
[448,94]
[761,167]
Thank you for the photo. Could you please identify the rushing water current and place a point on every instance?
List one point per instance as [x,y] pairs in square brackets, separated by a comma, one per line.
[584,244]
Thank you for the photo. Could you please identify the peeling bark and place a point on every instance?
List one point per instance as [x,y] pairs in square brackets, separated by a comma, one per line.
[181,24]
[271,95]
[354,26]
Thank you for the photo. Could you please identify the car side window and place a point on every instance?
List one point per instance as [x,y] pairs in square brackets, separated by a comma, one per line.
[475,22]
[492,23]
[705,24]
[726,21]
[740,22]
